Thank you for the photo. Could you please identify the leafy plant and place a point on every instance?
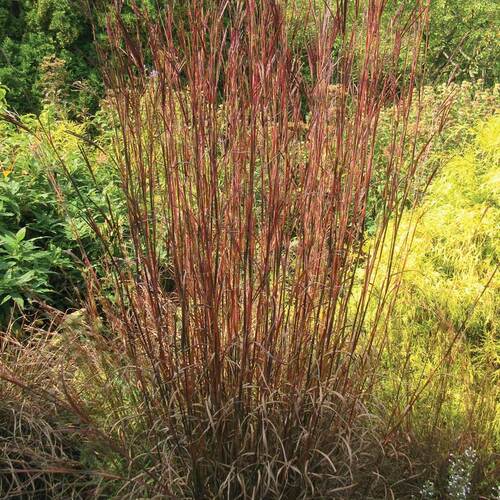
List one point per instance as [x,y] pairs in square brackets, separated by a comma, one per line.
[53,237]
[443,343]
[460,475]
[25,268]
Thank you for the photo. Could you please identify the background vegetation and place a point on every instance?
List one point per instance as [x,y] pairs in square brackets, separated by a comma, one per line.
[47,49]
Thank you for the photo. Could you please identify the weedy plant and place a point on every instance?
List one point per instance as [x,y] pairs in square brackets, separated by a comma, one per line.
[460,474]
[459,481]
[234,358]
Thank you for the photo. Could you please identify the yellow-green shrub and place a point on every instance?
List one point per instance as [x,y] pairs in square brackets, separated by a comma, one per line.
[442,337]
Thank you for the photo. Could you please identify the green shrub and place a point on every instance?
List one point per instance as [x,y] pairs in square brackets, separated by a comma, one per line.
[450,114]
[31,32]
[443,333]
[45,211]
[462,38]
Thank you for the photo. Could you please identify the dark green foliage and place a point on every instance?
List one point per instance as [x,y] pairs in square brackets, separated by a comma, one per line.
[32,30]
[461,44]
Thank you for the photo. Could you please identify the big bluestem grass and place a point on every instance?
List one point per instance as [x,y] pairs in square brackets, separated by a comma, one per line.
[226,352]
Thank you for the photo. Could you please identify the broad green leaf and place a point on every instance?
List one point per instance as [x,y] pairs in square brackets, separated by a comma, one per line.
[21,234]
[26,277]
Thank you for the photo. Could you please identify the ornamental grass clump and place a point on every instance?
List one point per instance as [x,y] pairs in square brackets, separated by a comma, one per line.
[226,353]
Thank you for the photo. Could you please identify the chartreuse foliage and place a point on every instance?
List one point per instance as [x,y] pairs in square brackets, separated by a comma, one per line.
[447,315]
